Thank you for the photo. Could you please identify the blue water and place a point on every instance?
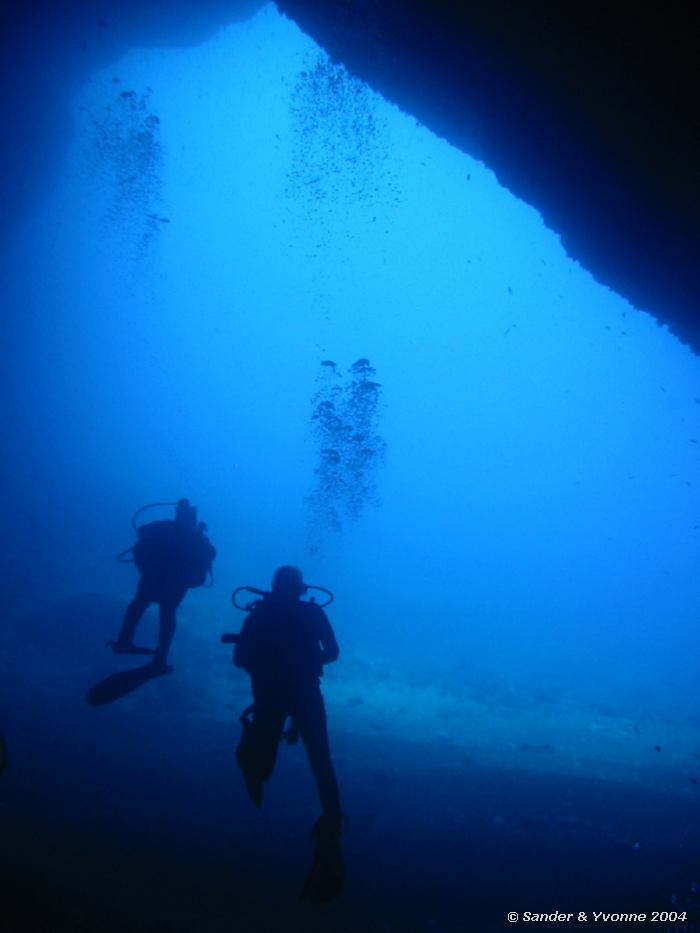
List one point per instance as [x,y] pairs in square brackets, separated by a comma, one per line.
[506,510]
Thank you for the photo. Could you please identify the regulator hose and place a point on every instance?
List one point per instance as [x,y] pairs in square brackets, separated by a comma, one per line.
[247,589]
[264,593]
[151,505]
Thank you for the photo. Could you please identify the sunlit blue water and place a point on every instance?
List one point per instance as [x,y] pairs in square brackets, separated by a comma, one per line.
[515,584]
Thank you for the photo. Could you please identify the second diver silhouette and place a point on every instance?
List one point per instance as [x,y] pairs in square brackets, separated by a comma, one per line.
[283,644]
[172,557]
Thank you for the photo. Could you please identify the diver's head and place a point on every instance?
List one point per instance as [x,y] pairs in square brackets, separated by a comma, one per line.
[288,583]
[186,514]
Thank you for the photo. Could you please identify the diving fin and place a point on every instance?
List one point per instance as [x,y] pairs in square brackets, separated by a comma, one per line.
[324,881]
[120,684]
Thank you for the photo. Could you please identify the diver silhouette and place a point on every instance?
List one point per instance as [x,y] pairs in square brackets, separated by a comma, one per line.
[283,644]
[172,557]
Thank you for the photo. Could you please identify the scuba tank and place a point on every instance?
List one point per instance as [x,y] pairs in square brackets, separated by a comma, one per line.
[168,545]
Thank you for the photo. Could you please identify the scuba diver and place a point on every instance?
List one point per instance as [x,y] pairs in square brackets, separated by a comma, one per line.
[283,644]
[172,557]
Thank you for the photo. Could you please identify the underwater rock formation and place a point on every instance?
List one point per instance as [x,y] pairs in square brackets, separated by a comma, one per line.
[129,156]
[346,410]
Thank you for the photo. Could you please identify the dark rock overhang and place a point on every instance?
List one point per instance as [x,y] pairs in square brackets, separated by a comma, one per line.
[589,112]
[586,111]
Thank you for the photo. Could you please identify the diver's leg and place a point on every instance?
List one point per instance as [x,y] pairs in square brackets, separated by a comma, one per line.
[166,629]
[257,751]
[324,881]
[310,717]
[268,720]
[133,615]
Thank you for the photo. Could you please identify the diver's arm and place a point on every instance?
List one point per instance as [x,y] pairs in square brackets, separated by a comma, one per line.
[329,645]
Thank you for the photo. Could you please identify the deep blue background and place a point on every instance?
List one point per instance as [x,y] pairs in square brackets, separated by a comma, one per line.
[514,715]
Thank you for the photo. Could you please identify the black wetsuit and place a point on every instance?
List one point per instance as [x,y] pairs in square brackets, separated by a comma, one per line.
[283,645]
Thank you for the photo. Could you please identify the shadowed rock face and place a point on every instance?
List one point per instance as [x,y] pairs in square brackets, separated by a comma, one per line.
[586,111]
